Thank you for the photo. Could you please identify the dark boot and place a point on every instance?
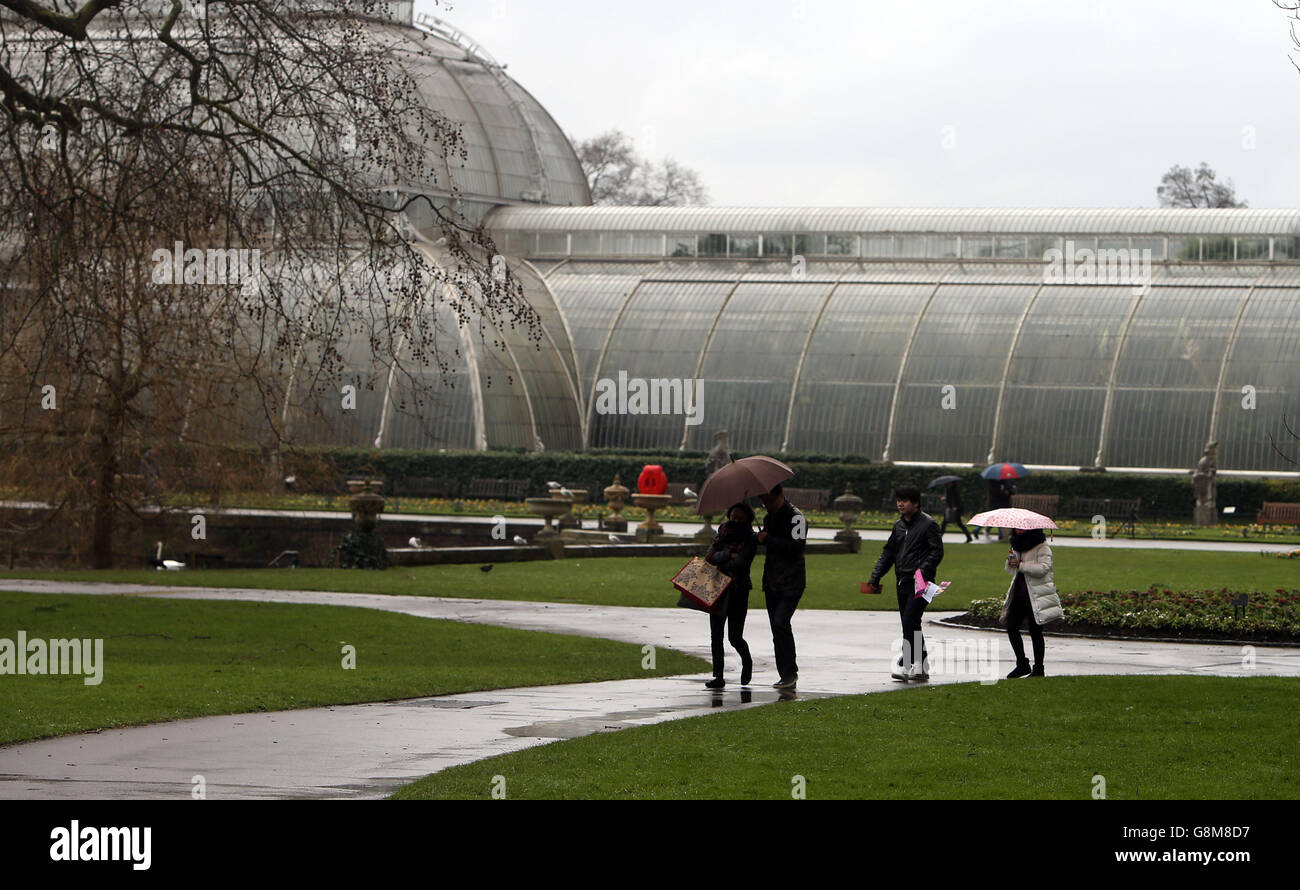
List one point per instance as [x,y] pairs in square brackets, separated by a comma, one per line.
[1037,671]
[1020,670]
[746,671]
[715,683]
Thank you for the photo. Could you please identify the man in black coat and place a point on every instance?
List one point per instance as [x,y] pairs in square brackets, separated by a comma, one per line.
[915,543]
[784,534]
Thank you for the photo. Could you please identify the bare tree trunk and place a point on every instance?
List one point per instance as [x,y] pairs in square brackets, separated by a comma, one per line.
[106,467]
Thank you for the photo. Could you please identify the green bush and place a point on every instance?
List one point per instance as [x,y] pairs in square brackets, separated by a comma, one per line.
[1180,611]
[1162,496]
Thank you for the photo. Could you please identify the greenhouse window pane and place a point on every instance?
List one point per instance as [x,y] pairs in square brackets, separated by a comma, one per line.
[1011,247]
[912,246]
[586,244]
[976,246]
[777,245]
[1039,245]
[877,246]
[553,243]
[1285,248]
[1217,249]
[841,245]
[744,245]
[681,245]
[713,245]
[810,245]
[1157,247]
[1252,248]
[1185,249]
[943,246]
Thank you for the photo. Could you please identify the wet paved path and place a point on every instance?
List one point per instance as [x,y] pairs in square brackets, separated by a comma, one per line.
[369,750]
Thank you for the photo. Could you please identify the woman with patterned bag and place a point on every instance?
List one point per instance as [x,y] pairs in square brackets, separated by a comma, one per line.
[732,552]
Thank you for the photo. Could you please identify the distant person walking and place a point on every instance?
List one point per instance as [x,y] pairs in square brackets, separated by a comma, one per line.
[1032,597]
[732,551]
[784,534]
[914,543]
[1000,492]
[952,510]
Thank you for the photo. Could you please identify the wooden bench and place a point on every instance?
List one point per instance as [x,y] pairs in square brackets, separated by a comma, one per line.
[1044,504]
[808,498]
[1114,509]
[497,489]
[1278,513]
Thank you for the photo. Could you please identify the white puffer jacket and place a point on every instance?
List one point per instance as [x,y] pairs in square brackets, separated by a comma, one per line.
[1036,563]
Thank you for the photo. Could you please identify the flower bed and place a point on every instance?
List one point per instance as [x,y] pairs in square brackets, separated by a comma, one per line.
[1268,616]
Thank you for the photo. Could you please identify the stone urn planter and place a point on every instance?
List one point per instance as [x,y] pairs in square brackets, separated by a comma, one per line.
[569,519]
[849,507]
[615,499]
[650,503]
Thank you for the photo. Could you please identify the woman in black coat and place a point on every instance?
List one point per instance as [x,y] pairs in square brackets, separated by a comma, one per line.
[732,551]
[952,510]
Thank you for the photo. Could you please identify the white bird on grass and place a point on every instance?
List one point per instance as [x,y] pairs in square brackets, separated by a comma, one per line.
[160,564]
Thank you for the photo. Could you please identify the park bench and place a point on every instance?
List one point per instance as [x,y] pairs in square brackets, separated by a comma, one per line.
[1044,504]
[808,498]
[497,489]
[1114,509]
[1278,513]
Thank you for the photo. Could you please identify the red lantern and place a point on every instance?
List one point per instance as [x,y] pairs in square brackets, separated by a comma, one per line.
[652,480]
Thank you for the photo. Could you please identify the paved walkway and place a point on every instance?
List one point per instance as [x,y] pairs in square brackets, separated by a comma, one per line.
[369,750]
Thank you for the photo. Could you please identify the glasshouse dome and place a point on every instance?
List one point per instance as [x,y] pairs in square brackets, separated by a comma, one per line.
[1119,338]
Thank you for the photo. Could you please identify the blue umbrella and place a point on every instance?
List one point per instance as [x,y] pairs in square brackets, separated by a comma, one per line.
[1005,471]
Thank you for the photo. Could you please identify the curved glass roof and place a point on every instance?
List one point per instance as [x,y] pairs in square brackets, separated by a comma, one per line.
[1135,220]
[944,361]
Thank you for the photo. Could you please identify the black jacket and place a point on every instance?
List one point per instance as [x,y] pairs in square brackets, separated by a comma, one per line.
[783,570]
[733,557]
[911,546]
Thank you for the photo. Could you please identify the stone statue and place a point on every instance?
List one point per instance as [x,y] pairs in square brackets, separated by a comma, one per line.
[1205,514]
[720,456]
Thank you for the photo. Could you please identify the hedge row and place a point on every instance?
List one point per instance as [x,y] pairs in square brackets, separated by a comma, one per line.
[1162,496]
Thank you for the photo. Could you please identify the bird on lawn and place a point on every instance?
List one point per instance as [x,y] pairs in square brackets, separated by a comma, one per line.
[161,564]
[520,541]
[486,568]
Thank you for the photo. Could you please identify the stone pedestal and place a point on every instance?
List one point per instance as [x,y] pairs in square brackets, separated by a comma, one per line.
[1204,516]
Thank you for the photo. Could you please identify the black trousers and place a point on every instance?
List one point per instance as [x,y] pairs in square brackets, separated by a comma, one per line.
[911,609]
[780,609]
[1019,610]
[943,527]
[732,616]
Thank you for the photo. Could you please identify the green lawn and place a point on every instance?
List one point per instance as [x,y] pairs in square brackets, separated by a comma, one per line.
[833,580]
[1149,737]
[165,660]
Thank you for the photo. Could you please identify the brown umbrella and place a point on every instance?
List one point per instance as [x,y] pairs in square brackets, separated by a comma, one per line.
[739,480]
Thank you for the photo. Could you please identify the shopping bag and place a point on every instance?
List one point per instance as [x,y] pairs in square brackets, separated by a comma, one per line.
[701,583]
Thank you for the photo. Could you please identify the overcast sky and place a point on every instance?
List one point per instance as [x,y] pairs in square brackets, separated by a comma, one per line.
[1074,103]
